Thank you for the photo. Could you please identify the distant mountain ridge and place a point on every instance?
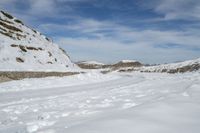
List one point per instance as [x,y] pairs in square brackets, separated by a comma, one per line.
[90,64]
[179,67]
[98,65]
[25,49]
[133,65]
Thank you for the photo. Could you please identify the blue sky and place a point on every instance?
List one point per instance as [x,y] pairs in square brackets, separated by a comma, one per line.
[151,31]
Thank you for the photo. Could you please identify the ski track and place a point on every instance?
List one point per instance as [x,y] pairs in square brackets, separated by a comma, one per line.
[30,111]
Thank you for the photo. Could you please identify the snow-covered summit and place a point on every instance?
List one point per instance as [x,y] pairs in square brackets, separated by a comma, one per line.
[24,49]
[92,63]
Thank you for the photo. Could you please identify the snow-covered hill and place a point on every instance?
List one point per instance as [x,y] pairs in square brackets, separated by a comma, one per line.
[186,66]
[24,49]
[90,64]
[118,65]
[180,67]
[127,63]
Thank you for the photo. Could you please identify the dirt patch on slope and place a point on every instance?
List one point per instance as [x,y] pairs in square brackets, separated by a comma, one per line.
[8,76]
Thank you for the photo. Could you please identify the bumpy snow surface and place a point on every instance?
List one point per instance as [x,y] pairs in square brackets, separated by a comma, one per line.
[96,103]
[34,51]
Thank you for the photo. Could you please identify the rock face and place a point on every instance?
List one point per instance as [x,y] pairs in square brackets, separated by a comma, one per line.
[24,49]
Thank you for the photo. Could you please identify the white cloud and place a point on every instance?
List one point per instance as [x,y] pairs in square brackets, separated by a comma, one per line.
[6,1]
[177,9]
[121,33]
[125,42]
[114,41]
[42,7]
[106,50]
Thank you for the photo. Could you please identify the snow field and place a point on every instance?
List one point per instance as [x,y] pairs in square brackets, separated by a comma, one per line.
[129,102]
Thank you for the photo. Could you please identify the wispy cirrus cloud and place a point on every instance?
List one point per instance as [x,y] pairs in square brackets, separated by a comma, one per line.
[112,30]
[112,38]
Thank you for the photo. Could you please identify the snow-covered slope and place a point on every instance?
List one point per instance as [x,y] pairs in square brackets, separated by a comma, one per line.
[186,66]
[24,49]
[180,67]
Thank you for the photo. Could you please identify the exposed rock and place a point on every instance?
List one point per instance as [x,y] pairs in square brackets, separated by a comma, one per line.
[7,15]
[12,28]
[122,64]
[19,21]
[20,60]
[7,76]
[90,65]
[23,48]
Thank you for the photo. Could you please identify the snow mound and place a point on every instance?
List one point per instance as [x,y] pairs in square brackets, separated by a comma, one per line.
[24,49]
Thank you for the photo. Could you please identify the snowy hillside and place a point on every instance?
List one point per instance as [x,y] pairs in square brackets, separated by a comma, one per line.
[24,49]
[186,66]
[180,67]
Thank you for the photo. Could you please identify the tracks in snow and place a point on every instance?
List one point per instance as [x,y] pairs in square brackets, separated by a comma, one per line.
[35,110]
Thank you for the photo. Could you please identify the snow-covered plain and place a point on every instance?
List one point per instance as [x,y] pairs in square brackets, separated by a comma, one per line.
[95,103]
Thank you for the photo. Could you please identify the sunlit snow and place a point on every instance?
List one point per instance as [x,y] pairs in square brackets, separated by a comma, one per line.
[96,103]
